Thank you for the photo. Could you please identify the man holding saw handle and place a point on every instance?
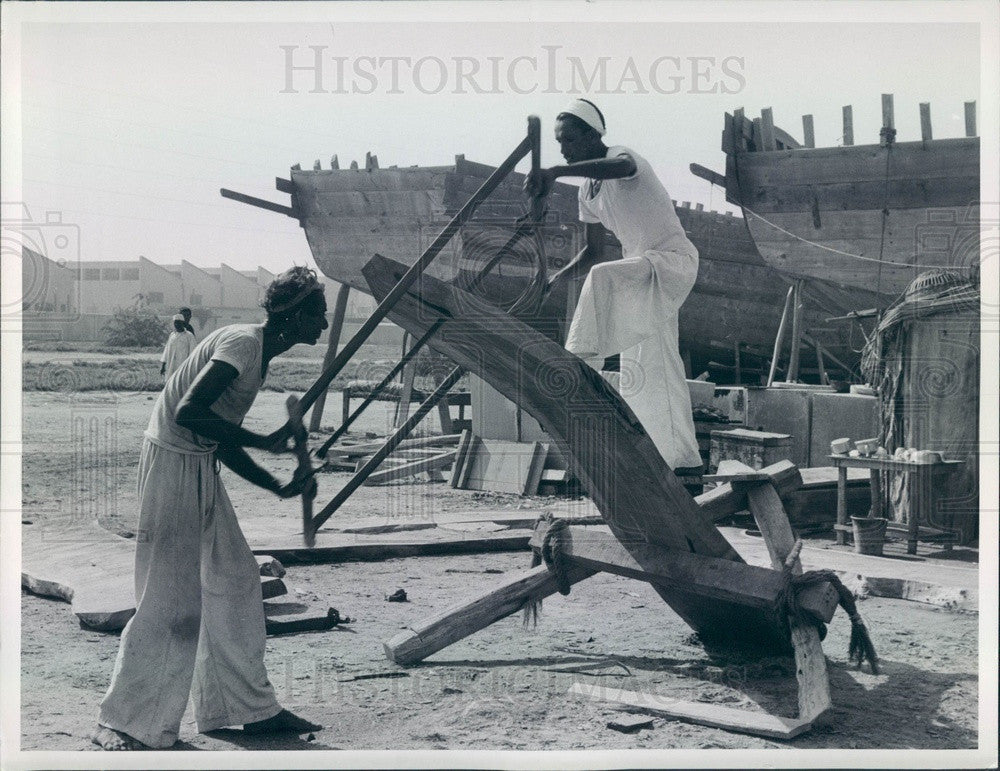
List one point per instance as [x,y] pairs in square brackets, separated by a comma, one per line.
[198,629]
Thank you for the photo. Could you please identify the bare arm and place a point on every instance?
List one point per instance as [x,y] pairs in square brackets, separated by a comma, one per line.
[194,412]
[539,183]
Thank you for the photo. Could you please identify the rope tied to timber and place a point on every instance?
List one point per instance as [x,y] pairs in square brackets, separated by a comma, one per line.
[554,558]
[860,647]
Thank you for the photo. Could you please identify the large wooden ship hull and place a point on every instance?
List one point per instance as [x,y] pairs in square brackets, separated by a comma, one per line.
[864,217]
[349,215]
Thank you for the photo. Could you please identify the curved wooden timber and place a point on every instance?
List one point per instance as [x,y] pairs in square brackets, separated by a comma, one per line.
[640,498]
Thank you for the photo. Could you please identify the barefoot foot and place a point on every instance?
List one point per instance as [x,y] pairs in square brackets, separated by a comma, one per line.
[112,740]
[283,722]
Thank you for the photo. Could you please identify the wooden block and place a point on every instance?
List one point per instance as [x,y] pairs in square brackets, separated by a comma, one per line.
[767,129]
[714,715]
[726,500]
[270,586]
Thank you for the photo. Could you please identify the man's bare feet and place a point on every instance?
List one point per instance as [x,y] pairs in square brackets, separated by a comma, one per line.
[112,740]
[283,722]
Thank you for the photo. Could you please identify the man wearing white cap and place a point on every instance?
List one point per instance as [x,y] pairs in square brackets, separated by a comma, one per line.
[178,348]
[628,306]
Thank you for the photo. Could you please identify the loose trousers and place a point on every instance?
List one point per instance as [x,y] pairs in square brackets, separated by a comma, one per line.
[198,629]
[630,307]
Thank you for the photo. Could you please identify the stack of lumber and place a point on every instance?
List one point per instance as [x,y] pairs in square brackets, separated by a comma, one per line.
[427,455]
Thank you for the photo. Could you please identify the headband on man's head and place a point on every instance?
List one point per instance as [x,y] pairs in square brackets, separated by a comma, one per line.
[588,113]
[302,295]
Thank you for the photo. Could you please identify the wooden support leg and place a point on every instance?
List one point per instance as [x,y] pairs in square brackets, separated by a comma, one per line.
[841,504]
[461,620]
[810,662]
[792,375]
[409,372]
[336,326]
[780,337]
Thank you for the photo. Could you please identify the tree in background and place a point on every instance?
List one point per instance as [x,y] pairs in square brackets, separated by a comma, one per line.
[136,325]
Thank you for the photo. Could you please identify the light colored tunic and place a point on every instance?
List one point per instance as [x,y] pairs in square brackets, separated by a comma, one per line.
[630,306]
[198,629]
[178,348]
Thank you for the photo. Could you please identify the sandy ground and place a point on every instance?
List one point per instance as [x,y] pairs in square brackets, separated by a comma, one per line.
[493,690]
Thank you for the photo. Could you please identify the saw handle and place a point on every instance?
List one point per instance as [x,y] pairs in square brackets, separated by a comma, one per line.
[300,439]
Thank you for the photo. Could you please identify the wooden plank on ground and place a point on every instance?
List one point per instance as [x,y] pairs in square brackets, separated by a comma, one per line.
[368,448]
[357,549]
[442,460]
[714,715]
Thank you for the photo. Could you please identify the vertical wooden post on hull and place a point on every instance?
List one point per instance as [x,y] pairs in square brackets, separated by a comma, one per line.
[767,138]
[336,327]
[848,125]
[970,119]
[925,122]
[888,132]
[808,137]
[780,337]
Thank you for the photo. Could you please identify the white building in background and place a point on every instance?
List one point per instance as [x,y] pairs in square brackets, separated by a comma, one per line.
[74,304]
[109,284]
[48,286]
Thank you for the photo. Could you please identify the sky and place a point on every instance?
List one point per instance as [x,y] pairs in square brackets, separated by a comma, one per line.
[129,128]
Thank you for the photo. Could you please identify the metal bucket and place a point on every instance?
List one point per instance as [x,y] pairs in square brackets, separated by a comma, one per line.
[869,534]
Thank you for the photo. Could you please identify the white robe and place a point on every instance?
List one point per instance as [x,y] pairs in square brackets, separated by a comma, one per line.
[630,307]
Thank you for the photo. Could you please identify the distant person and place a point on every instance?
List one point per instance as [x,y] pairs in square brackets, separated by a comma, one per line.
[198,629]
[178,348]
[628,306]
[186,313]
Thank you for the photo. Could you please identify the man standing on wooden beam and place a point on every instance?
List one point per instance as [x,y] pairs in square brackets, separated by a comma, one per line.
[628,306]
